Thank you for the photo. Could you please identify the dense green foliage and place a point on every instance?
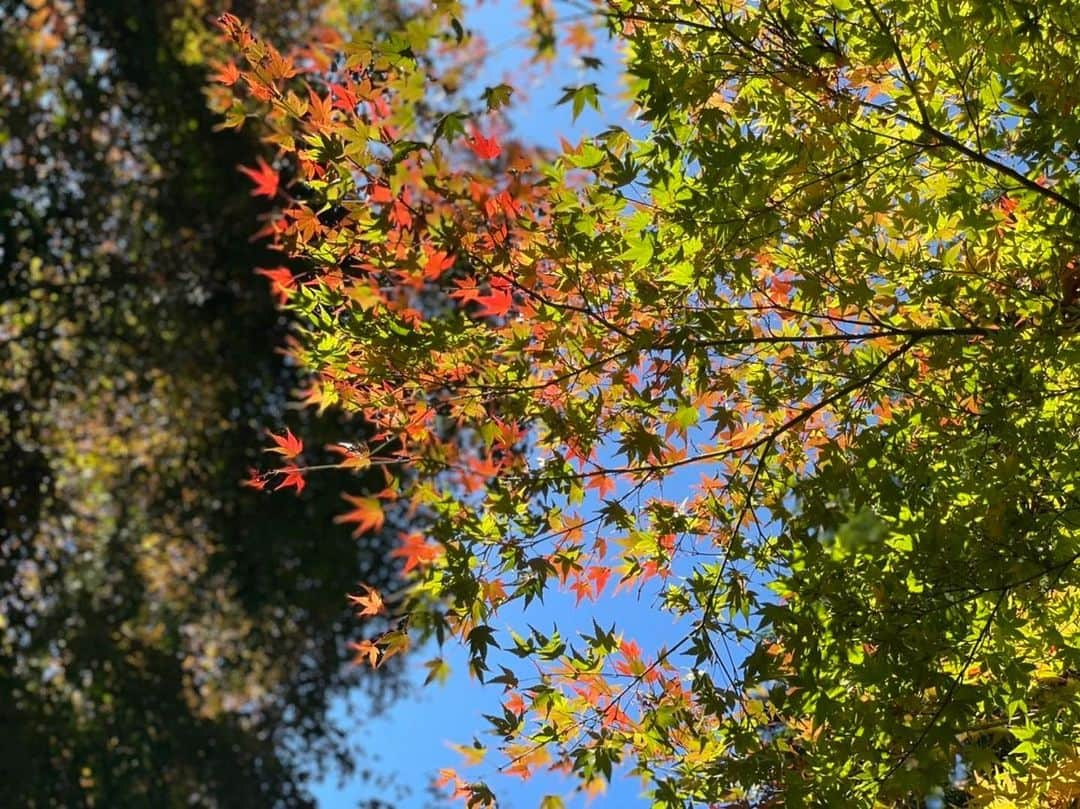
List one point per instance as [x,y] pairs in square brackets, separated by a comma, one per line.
[167,637]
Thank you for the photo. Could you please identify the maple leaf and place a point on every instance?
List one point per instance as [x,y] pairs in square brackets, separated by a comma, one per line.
[393,643]
[281,282]
[446,776]
[319,108]
[228,75]
[380,194]
[437,263]
[580,37]
[259,90]
[498,302]
[256,480]
[371,602]
[344,98]
[466,291]
[368,514]
[483,147]
[352,456]
[498,96]
[599,575]
[526,760]
[366,652]
[278,66]
[288,445]
[582,588]
[293,477]
[603,484]
[473,755]
[515,703]
[379,106]
[264,177]
[416,551]
[632,664]
[400,214]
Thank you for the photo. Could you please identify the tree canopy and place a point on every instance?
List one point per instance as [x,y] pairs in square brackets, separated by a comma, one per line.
[797,362]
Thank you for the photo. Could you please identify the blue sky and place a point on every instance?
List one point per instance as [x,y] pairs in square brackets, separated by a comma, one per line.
[409,743]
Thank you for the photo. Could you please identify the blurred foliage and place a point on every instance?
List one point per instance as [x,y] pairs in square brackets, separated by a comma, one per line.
[166,636]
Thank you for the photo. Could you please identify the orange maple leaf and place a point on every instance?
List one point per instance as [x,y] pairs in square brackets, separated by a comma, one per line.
[438,262]
[446,776]
[580,38]
[603,484]
[515,703]
[264,177]
[319,108]
[371,603]
[288,444]
[229,74]
[368,514]
[599,575]
[582,588]
[466,291]
[366,652]
[380,194]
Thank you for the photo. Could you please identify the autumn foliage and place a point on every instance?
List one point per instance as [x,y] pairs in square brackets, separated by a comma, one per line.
[793,361]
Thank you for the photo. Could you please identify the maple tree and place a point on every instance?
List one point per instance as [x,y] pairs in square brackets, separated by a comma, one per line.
[797,362]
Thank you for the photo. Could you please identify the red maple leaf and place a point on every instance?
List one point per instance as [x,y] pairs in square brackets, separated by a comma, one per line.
[264,177]
[498,302]
[582,588]
[288,444]
[293,477]
[281,282]
[344,98]
[256,481]
[416,551]
[368,514]
[379,106]
[484,148]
